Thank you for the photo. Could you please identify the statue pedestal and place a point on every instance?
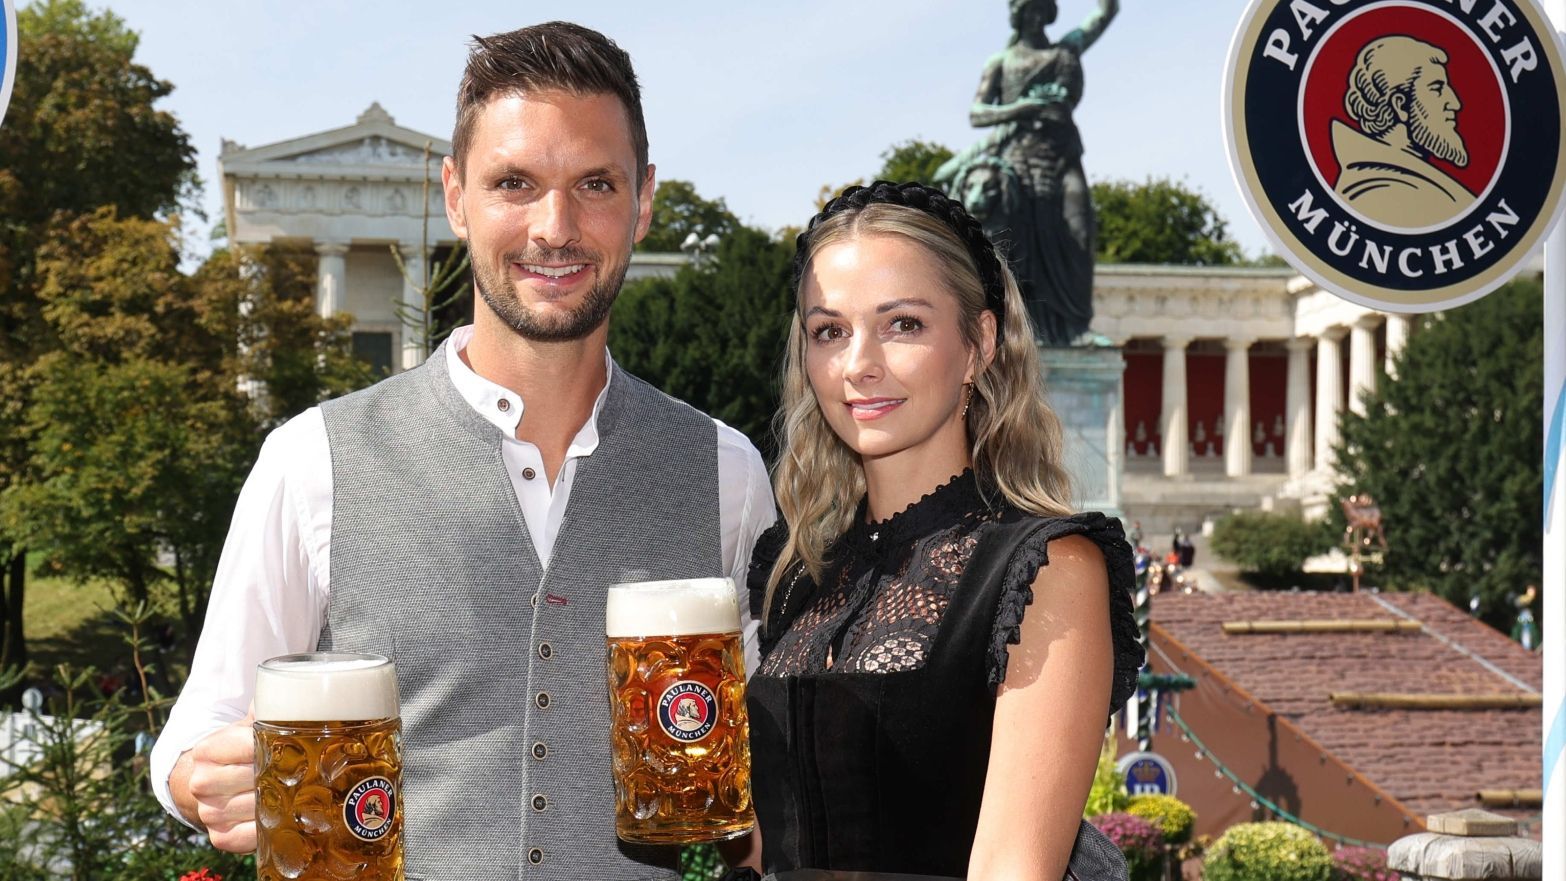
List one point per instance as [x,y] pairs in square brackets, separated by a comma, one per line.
[1083,385]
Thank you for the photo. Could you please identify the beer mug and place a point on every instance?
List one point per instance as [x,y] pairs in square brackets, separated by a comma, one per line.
[328,768]
[680,734]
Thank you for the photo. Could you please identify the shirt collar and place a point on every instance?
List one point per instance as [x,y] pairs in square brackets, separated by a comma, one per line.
[485,397]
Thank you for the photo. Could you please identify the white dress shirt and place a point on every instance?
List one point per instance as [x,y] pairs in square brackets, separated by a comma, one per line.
[273,581]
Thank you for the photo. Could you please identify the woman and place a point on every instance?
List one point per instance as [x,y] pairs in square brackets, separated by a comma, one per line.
[943,640]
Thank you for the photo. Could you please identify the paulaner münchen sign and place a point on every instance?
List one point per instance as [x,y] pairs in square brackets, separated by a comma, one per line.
[1406,154]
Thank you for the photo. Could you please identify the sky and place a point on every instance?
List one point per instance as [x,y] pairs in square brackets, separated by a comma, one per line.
[758,103]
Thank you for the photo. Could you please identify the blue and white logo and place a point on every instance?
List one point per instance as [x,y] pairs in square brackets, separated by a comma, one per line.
[1147,774]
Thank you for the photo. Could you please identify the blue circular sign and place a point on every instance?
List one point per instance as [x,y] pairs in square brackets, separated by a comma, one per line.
[1147,774]
[9,45]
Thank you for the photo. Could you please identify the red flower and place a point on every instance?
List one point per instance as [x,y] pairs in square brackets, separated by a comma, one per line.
[201,874]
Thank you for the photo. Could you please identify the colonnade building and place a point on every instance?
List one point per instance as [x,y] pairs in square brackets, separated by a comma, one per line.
[1234,377]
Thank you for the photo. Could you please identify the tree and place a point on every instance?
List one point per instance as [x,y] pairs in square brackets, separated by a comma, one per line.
[913,159]
[678,211]
[713,335]
[1451,451]
[263,299]
[1160,221]
[81,132]
[137,433]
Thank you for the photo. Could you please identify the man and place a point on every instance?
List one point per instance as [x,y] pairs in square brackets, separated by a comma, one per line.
[1406,109]
[466,517]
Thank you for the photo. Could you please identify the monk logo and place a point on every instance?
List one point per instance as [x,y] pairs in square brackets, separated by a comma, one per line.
[1406,154]
[370,808]
[687,711]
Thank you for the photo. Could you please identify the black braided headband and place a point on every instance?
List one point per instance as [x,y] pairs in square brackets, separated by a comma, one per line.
[934,203]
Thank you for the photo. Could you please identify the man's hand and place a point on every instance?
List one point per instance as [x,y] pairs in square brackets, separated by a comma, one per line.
[214,785]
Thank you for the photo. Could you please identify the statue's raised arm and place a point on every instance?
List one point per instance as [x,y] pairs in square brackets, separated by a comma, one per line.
[1093,26]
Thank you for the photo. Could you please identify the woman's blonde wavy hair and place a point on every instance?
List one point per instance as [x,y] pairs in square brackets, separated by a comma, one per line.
[1016,437]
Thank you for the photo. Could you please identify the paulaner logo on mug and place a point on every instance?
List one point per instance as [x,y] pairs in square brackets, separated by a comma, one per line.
[1405,153]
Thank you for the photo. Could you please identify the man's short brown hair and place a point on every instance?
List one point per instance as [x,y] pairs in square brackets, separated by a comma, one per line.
[554,55]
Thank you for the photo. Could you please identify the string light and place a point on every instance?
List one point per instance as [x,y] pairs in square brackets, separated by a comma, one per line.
[1257,799]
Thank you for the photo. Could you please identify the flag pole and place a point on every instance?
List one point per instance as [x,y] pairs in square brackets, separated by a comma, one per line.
[1554,587]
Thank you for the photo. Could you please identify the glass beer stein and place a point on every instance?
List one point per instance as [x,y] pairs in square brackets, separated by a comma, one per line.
[328,768]
[680,735]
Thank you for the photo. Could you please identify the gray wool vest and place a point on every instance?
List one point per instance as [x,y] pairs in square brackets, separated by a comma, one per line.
[506,769]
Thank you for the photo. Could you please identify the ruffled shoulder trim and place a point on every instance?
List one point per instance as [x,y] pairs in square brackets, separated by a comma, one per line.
[1031,554]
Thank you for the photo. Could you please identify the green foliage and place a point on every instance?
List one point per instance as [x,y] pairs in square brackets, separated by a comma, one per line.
[678,211]
[1172,816]
[913,159]
[1108,794]
[79,790]
[81,132]
[1274,545]
[1451,451]
[1267,852]
[1160,221]
[713,335]
[264,301]
[136,434]
[700,862]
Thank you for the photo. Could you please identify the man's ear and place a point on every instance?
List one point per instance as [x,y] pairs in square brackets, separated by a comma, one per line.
[645,205]
[451,181]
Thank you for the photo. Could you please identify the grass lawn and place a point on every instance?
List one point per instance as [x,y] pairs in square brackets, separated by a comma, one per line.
[67,622]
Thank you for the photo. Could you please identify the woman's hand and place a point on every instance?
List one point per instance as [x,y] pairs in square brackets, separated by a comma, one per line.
[1049,721]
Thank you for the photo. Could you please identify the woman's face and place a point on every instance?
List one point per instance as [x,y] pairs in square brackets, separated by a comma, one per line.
[884,350]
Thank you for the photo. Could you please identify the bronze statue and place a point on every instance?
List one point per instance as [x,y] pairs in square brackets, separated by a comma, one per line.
[1024,178]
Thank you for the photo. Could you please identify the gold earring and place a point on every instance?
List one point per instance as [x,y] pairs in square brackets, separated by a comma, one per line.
[968,401]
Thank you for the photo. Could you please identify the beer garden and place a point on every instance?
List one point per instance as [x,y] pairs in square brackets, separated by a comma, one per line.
[135,390]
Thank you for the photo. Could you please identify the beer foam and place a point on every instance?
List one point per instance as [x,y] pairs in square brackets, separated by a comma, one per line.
[682,607]
[326,687]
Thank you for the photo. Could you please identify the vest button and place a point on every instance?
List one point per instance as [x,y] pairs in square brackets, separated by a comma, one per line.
[534,600]
[528,474]
[539,750]
[535,856]
[539,803]
[542,700]
[545,651]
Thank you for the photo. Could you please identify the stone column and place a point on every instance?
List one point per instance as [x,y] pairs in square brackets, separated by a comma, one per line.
[1362,362]
[1397,337]
[1296,407]
[413,321]
[1177,458]
[331,277]
[1466,845]
[1237,408]
[1329,394]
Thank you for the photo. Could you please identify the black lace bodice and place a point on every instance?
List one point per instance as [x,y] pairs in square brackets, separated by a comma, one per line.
[872,712]
[888,584]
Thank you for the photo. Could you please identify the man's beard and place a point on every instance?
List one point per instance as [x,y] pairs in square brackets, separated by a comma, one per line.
[1440,140]
[498,292]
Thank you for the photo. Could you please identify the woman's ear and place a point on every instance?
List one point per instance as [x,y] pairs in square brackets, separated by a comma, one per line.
[986,353]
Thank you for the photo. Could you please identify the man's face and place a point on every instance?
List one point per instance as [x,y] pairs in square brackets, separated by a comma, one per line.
[550,207]
[1432,116]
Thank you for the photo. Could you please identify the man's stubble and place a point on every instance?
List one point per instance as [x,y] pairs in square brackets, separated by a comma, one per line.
[500,295]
